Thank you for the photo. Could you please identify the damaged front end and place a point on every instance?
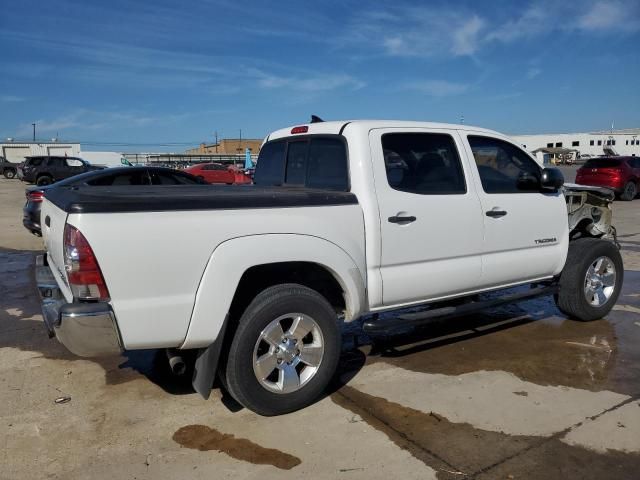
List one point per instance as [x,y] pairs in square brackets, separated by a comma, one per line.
[589,211]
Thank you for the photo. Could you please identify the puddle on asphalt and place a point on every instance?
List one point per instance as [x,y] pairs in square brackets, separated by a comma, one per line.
[458,450]
[203,438]
[531,341]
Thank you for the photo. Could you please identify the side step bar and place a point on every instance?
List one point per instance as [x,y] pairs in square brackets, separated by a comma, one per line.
[381,325]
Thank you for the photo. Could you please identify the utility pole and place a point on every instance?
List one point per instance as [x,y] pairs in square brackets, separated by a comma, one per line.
[240,145]
[34,131]
[462,119]
[216,134]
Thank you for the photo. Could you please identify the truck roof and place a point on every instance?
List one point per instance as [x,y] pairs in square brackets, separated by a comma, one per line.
[337,127]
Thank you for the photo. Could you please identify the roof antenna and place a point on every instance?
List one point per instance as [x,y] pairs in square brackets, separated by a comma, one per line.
[316,119]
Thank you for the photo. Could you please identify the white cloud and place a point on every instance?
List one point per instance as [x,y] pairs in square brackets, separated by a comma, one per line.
[438,88]
[533,72]
[466,38]
[609,15]
[417,31]
[308,84]
[10,99]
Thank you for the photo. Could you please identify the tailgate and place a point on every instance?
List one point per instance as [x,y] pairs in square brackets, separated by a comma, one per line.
[52,222]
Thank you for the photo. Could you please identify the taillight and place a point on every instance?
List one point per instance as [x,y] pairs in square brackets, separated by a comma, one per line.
[85,278]
[36,196]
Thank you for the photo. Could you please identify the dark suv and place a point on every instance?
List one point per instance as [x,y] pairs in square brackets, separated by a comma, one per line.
[8,169]
[44,170]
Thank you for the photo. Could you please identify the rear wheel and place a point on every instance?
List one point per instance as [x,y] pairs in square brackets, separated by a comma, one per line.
[630,191]
[591,280]
[44,180]
[284,351]
[9,173]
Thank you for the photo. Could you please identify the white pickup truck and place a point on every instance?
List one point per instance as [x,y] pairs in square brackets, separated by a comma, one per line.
[345,220]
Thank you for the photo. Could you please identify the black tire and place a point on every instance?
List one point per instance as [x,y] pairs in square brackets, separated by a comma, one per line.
[44,180]
[629,193]
[571,298]
[9,173]
[238,373]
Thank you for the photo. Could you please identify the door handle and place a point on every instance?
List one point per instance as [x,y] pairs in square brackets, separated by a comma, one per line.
[398,219]
[496,213]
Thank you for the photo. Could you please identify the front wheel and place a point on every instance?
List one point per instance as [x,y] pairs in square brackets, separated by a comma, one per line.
[591,280]
[284,352]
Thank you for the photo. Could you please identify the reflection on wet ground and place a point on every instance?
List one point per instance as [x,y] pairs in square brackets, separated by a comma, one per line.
[203,438]
[531,340]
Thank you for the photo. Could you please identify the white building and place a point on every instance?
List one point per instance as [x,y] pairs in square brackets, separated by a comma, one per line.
[16,151]
[620,142]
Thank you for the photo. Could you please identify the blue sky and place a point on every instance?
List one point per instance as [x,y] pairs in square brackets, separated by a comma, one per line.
[165,72]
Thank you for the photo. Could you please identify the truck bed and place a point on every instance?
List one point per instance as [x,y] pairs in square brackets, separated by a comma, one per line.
[115,199]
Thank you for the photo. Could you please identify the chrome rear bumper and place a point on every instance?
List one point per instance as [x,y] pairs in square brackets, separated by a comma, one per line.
[86,329]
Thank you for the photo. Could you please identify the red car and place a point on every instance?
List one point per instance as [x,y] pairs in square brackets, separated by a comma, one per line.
[621,174]
[218,173]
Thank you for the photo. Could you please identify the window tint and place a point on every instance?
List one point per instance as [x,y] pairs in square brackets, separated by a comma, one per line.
[602,163]
[296,163]
[52,162]
[128,178]
[316,162]
[270,167]
[35,162]
[503,167]
[327,164]
[423,163]
[171,178]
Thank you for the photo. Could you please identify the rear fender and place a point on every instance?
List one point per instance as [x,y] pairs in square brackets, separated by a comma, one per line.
[232,258]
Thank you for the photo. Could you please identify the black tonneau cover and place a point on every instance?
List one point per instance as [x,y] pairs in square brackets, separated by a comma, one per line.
[124,198]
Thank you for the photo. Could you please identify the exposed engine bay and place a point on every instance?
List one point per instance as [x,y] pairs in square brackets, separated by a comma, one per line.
[589,211]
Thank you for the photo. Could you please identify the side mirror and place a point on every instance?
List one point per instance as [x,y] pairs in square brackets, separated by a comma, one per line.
[551,179]
[528,182]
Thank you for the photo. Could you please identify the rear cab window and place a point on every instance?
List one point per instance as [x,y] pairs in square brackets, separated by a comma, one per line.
[316,161]
[602,163]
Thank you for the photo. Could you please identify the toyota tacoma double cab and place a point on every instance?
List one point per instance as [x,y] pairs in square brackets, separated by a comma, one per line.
[346,220]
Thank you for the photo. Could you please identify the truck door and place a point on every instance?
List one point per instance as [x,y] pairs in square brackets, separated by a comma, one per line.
[526,231]
[430,219]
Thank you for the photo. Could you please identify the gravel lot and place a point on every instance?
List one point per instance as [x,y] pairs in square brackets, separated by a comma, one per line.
[515,392]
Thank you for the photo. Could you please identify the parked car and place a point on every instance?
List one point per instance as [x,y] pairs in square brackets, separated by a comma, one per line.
[219,173]
[345,220]
[8,169]
[621,174]
[45,170]
[104,177]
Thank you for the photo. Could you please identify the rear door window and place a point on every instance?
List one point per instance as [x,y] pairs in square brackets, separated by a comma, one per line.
[423,163]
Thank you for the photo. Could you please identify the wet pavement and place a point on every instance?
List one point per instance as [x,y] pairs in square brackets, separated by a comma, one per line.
[513,392]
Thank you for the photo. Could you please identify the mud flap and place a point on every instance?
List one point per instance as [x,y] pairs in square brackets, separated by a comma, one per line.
[206,364]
